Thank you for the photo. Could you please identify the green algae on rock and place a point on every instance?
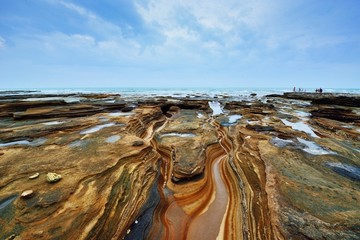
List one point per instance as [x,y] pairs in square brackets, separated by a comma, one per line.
[174,170]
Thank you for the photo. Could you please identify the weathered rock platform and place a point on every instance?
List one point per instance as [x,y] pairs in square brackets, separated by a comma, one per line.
[281,167]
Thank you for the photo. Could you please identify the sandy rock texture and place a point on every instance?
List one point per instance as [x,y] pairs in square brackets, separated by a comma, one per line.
[197,167]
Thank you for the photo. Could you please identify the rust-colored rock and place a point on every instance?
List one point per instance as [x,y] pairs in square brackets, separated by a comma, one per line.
[284,169]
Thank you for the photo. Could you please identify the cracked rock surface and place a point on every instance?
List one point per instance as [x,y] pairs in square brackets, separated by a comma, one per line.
[281,167]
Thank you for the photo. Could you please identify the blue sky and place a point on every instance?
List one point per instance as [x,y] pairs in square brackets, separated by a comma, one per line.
[179,43]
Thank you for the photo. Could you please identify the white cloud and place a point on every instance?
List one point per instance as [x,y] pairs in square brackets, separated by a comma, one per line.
[225,16]
[302,40]
[196,28]
[2,42]
[86,46]
[80,10]
[187,32]
[103,39]
[182,33]
[59,40]
[93,22]
[209,25]
[316,41]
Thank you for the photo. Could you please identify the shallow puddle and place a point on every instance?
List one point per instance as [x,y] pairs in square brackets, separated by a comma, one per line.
[232,119]
[113,139]
[216,108]
[75,144]
[200,115]
[34,143]
[185,135]
[313,148]
[96,128]
[300,126]
[52,123]
[302,114]
[78,143]
[345,170]
[65,99]
[7,201]
[118,114]
[281,142]
[208,224]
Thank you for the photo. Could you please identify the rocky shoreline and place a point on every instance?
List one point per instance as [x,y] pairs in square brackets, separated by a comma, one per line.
[340,99]
[91,166]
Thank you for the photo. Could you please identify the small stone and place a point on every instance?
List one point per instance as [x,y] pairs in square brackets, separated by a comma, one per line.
[253,94]
[127,109]
[12,236]
[36,175]
[27,194]
[53,177]
[38,234]
[138,143]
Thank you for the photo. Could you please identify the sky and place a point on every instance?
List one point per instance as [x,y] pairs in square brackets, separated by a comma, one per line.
[179,43]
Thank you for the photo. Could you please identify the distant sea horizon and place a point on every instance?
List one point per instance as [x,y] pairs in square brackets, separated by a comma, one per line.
[180,91]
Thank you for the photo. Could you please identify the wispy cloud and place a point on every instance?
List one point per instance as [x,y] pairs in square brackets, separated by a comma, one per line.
[103,39]
[191,30]
[94,23]
[2,42]
[80,10]
[227,37]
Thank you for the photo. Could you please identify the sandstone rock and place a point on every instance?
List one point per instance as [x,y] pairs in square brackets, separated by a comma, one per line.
[128,109]
[340,114]
[254,178]
[260,128]
[351,100]
[53,177]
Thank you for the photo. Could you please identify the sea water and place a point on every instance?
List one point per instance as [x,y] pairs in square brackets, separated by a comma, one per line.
[178,92]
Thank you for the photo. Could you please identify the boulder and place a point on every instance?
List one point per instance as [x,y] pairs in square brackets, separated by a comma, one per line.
[53,177]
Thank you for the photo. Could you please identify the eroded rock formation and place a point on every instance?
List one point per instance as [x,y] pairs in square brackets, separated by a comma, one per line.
[171,168]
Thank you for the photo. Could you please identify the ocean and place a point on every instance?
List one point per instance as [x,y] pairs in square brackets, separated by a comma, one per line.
[180,92]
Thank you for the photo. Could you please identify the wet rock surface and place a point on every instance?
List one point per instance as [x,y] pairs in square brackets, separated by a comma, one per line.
[281,167]
[340,114]
[341,99]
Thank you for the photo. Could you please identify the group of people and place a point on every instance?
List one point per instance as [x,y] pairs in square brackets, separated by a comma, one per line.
[319,90]
[300,90]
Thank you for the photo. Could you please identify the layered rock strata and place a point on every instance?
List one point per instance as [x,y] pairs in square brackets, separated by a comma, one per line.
[177,168]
